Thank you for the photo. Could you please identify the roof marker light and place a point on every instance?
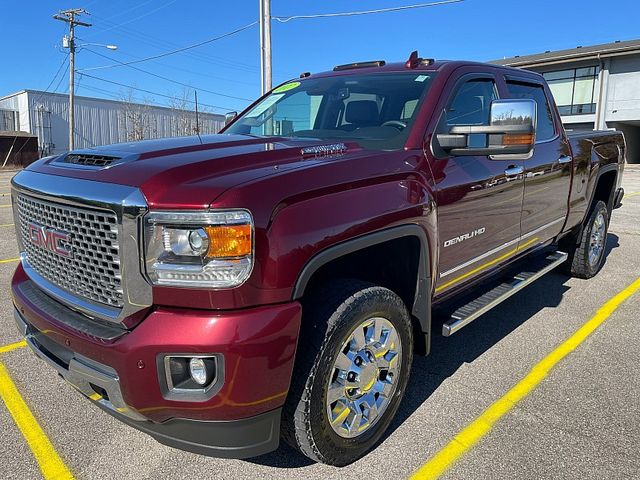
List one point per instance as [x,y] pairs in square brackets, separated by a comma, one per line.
[415,61]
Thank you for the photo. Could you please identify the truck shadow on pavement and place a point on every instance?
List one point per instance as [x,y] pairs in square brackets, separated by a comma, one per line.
[449,354]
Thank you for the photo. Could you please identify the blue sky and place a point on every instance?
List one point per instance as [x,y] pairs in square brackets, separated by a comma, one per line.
[473,29]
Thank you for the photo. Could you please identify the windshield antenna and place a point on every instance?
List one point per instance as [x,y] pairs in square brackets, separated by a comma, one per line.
[195,93]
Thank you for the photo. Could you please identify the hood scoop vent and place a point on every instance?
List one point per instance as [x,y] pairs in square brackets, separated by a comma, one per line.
[89,160]
[319,151]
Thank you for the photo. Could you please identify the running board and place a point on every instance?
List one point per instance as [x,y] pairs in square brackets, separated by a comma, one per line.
[468,313]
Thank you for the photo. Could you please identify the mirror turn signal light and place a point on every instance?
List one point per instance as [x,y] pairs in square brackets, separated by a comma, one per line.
[518,139]
[229,240]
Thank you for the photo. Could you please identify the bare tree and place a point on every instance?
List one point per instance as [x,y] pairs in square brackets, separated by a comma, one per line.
[184,115]
[136,118]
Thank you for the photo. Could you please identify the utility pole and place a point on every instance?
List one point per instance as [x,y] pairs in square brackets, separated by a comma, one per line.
[69,16]
[265,44]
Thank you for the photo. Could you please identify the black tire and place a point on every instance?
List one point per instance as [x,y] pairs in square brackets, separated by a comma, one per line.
[579,264]
[329,318]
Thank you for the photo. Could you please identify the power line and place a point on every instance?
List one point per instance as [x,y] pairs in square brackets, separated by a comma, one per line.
[122,12]
[64,61]
[61,78]
[131,20]
[282,19]
[173,52]
[150,92]
[163,44]
[166,78]
[200,58]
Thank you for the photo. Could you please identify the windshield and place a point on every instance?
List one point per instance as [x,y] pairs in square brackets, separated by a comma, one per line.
[375,109]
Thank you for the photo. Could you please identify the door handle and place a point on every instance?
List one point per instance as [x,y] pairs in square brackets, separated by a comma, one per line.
[514,170]
[565,159]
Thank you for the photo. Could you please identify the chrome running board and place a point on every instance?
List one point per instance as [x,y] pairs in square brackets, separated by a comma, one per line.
[466,314]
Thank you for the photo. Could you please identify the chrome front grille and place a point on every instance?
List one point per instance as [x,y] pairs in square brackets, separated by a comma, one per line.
[92,269]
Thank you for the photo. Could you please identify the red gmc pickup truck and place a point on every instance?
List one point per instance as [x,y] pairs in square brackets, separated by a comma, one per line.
[274,281]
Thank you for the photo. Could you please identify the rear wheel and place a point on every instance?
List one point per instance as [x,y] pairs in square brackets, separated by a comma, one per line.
[587,257]
[352,369]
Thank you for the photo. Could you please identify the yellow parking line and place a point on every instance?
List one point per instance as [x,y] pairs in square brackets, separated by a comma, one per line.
[12,346]
[50,463]
[466,439]
[8,260]
[6,224]
[6,205]
[632,194]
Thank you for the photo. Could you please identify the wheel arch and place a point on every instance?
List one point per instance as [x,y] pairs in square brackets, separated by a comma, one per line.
[420,297]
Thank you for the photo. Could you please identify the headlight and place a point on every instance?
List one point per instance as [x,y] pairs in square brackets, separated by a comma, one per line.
[199,249]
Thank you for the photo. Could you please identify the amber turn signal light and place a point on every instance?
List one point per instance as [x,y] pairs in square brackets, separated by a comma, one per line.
[513,139]
[229,241]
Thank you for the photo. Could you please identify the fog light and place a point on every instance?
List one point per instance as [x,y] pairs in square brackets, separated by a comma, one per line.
[196,375]
[198,370]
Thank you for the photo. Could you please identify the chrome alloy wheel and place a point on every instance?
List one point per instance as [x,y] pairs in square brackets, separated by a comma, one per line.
[364,377]
[596,242]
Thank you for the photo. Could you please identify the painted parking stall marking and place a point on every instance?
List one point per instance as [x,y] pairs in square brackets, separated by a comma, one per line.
[9,260]
[468,437]
[12,346]
[50,463]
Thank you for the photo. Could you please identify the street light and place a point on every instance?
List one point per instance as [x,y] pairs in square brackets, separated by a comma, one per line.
[110,47]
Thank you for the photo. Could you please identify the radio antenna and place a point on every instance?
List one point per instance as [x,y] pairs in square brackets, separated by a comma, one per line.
[195,93]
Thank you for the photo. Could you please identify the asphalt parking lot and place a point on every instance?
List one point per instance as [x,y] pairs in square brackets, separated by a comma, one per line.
[581,421]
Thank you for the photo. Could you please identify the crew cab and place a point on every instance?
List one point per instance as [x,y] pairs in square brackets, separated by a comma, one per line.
[221,292]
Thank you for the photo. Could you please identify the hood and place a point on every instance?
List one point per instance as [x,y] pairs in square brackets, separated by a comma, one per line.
[191,172]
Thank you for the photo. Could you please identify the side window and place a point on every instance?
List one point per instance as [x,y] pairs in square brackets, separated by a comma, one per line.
[546,129]
[471,104]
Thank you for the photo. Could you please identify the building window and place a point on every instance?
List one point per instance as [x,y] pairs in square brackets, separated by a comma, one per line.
[574,90]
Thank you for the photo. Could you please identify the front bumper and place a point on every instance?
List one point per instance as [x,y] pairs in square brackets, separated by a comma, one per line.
[121,374]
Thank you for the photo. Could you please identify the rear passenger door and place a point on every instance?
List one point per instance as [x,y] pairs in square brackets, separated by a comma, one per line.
[548,171]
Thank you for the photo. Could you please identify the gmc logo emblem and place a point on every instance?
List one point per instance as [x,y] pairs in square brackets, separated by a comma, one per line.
[49,239]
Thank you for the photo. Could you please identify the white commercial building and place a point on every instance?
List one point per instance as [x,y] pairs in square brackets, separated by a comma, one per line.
[595,87]
[97,121]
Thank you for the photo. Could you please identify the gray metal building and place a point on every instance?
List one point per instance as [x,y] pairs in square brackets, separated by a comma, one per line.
[595,87]
[98,121]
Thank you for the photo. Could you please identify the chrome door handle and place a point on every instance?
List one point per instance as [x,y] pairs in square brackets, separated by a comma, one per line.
[513,171]
[565,159]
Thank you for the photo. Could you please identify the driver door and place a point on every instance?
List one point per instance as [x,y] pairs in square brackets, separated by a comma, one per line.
[479,198]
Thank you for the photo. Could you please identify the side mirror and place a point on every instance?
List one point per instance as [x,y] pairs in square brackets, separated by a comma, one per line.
[229,117]
[511,131]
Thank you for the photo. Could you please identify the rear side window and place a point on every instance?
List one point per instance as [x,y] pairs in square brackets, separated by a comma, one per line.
[546,130]
[471,104]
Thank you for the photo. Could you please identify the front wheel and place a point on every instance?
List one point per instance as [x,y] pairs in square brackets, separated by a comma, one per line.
[354,359]
[587,257]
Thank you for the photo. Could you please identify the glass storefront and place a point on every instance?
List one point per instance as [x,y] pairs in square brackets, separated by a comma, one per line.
[574,90]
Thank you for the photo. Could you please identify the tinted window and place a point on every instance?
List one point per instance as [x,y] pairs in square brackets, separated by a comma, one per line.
[471,104]
[546,129]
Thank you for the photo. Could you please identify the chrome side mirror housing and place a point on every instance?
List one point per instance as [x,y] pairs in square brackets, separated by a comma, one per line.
[511,131]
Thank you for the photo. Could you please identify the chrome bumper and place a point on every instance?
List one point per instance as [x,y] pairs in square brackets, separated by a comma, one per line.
[81,372]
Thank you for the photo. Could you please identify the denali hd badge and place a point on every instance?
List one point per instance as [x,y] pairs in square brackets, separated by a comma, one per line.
[464,237]
[50,239]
